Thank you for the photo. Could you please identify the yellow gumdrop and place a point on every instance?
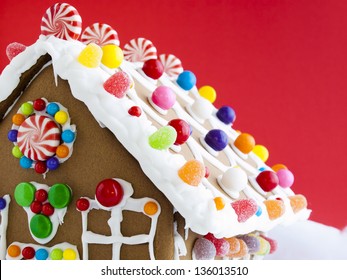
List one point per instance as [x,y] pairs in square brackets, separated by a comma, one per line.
[275,208]
[192,172]
[297,202]
[264,247]
[208,93]
[90,56]
[220,203]
[112,56]
[150,208]
[278,166]
[69,254]
[261,152]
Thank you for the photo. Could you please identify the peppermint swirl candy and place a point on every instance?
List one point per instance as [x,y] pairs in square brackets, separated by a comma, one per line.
[62,21]
[139,50]
[38,137]
[172,65]
[101,34]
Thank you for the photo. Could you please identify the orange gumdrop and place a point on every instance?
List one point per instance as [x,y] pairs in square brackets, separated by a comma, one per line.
[234,245]
[220,203]
[62,151]
[18,119]
[275,208]
[242,252]
[297,202]
[192,172]
[278,166]
[150,208]
[245,143]
[13,251]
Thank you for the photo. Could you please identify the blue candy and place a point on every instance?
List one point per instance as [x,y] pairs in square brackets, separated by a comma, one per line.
[25,162]
[52,109]
[186,80]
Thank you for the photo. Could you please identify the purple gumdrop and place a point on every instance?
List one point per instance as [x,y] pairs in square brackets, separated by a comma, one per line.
[252,243]
[204,249]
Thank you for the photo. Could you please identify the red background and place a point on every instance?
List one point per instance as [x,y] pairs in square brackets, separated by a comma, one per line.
[280,64]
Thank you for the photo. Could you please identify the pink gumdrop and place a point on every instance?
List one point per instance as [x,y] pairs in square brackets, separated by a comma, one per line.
[14,49]
[285,178]
[117,84]
[244,208]
[164,97]
[204,249]
[222,246]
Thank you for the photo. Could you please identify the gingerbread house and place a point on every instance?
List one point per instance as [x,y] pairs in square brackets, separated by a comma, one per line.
[112,152]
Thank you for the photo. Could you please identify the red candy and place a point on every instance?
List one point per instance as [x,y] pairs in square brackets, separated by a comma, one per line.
[207,172]
[153,68]
[117,84]
[28,253]
[222,246]
[41,195]
[135,111]
[40,167]
[101,34]
[36,207]
[267,180]
[39,104]
[273,243]
[109,193]
[244,208]
[82,204]
[14,49]
[47,209]
[183,130]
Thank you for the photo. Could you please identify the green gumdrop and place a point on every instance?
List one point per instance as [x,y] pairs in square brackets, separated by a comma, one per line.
[163,138]
[24,194]
[59,196]
[40,226]
[27,108]
[56,254]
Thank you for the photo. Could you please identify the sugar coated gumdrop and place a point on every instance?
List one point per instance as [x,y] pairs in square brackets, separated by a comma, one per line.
[234,180]
[117,84]
[192,172]
[252,243]
[204,249]
[244,143]
[82,204]
[59,195]
[267,180]
[208,93]
[24,194]
[216,139]
[186,80]
[241,253]
[40,226]
[298,202]
[244,208]
[275,208]
[222,246]
[272,242]
[163,97]
[109,193]
[285,178]
[234,245]
[226,115]
[90,56]
[183,130]
[163,138]
[13,49]
[261,152]
[112,56]
[153,68]
[264,246]
[278,166]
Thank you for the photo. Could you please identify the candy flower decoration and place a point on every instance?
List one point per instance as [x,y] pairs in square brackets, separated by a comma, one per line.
[112,56]
[208,93]
[285,178]
[226,115]
[186,80]
[267,180]
[101,34]
[139,50]
[216,139]
[183,130]
[244,208]
[164,98]
[163,138]
[109,193]
[90,56]
[153,68]
[244,143]
[192,172]
[118,84]
[261,152]
[233,181]
[62,21]
[204,249]
[13,49]
[172,65]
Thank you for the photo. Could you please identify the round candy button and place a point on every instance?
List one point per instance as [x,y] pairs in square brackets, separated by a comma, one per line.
[59,195]
[40,226]
[2,203]
[56,254]
[24,194]
[69,254]
[13,251]
[28,253]
[109,193]
[41,254]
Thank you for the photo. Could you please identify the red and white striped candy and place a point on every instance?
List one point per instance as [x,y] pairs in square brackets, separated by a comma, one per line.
[101,34]
[38,137]
[62,21]
[172,65]
[139,50]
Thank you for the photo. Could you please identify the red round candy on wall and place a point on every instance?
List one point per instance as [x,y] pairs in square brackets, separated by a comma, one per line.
[47,209]
[135,111]
[82,204]
[153,68]
[41,195]
[36,207]
[109,193]
[28,253]
[267,180]
[183,130]
[39,104]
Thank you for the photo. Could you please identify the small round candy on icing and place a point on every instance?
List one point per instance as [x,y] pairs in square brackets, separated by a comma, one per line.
[41,195]
[36,207]
[217,139]
[244,209]
[59,195]
[112,56]
[14,49]
[27,108]
[222,246]
[56,254]
[24,194]
[285,178]
[163,138]
[298,202]
[153,68]
[275,208]
[117,84]
[202,109]
[47,209]
[13,251]
[183,130]
[204,249]
[234,245]
[163,97]
[52,163]
[219,202]
[267,180]
[16,152]
[3,203]
[208,93]
[90,56]
[135,111]
[62,151]
[261,152]
[28,253]
[226,115]
[192,172]
[244,143]
[41,254]
[12,135]
[68,136]
[18,119]
[272,242]
[242,252]
[40,167]
[252,243]
[39,104]
[52,109]
[186,80]
[69,254]
[25,162]
[61,117]
[278,166]
[40,226]
[264,246]
[150,208]
[109,193]
[234,180]
[82,204]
